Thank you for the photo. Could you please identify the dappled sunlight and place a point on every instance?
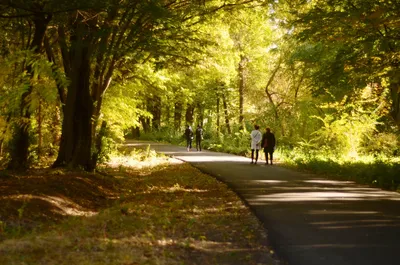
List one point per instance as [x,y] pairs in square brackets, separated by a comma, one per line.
[139,240]
[192,156]
[311,211]
[352,226]
[127,161]
[333,212]
[218,247]
[199,244]
[343,246]
[316,188]
[329,182]
[164,214]
[273,181]
[142,143]
[63,205]
[203,245]
[323,196]
[272,190]
[174,188]
[356,223]
[208,158]
[213,210]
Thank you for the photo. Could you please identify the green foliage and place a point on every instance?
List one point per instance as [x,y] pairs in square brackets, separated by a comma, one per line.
[110,142]
[42,101]
[384,143]
[358,43]
[165,134]
[379,172]
[322,75]
[235,143]
[121,109]
[352,122]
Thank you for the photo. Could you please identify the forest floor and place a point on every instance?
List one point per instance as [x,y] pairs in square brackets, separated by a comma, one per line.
[156,211]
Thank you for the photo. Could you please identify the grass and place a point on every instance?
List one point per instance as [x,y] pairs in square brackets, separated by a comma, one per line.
[381,172]
[151,210]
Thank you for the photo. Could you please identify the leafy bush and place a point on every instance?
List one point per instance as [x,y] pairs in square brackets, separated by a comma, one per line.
[381,143]
[164,134]
[235,143]
[379,171]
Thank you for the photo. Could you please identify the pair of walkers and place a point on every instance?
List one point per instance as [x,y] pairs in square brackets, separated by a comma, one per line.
[265,141]
[189,137]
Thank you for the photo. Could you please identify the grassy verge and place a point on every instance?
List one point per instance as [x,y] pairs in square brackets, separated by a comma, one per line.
[155,211]
[376,173]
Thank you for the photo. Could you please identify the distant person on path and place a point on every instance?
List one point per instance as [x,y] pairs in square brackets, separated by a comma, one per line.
[189,137]
[256,138]
[268,143]
[199,137]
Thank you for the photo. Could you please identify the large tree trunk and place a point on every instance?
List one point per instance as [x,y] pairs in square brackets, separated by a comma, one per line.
[200,118]
[167,114]
[156,111]
[189,116]
[56,124]
[395,93]
[76,138]
[227,123]
[19,151]
[242,82]
[145,124]
[178,115]
[218,124]
[39,129]
[135,131]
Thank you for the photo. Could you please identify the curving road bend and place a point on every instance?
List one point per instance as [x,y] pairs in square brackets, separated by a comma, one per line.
[311,220]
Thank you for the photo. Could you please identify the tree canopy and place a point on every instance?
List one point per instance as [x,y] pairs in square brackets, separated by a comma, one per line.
[321,74]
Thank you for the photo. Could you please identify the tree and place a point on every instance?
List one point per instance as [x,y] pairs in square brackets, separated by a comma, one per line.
[359,42]
[38,19]
[251,35]
[96,42]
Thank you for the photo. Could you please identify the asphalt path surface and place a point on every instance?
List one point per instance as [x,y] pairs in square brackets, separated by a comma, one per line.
[310,219]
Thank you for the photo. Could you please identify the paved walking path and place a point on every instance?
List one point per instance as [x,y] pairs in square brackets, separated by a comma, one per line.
[310,220]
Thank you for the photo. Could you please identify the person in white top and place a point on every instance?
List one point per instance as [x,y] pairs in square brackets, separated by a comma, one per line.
[256,138]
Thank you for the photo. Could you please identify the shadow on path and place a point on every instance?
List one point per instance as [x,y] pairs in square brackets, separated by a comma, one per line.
[310,219]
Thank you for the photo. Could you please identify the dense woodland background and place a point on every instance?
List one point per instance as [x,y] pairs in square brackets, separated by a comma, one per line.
[79,77]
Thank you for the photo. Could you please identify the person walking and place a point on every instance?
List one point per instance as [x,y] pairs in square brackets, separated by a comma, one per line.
[199,137]
[189,137]
[255,145]
[268,143]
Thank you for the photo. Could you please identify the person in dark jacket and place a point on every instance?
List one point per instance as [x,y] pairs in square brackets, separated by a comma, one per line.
[189,137]
[199,137]
[268,143]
